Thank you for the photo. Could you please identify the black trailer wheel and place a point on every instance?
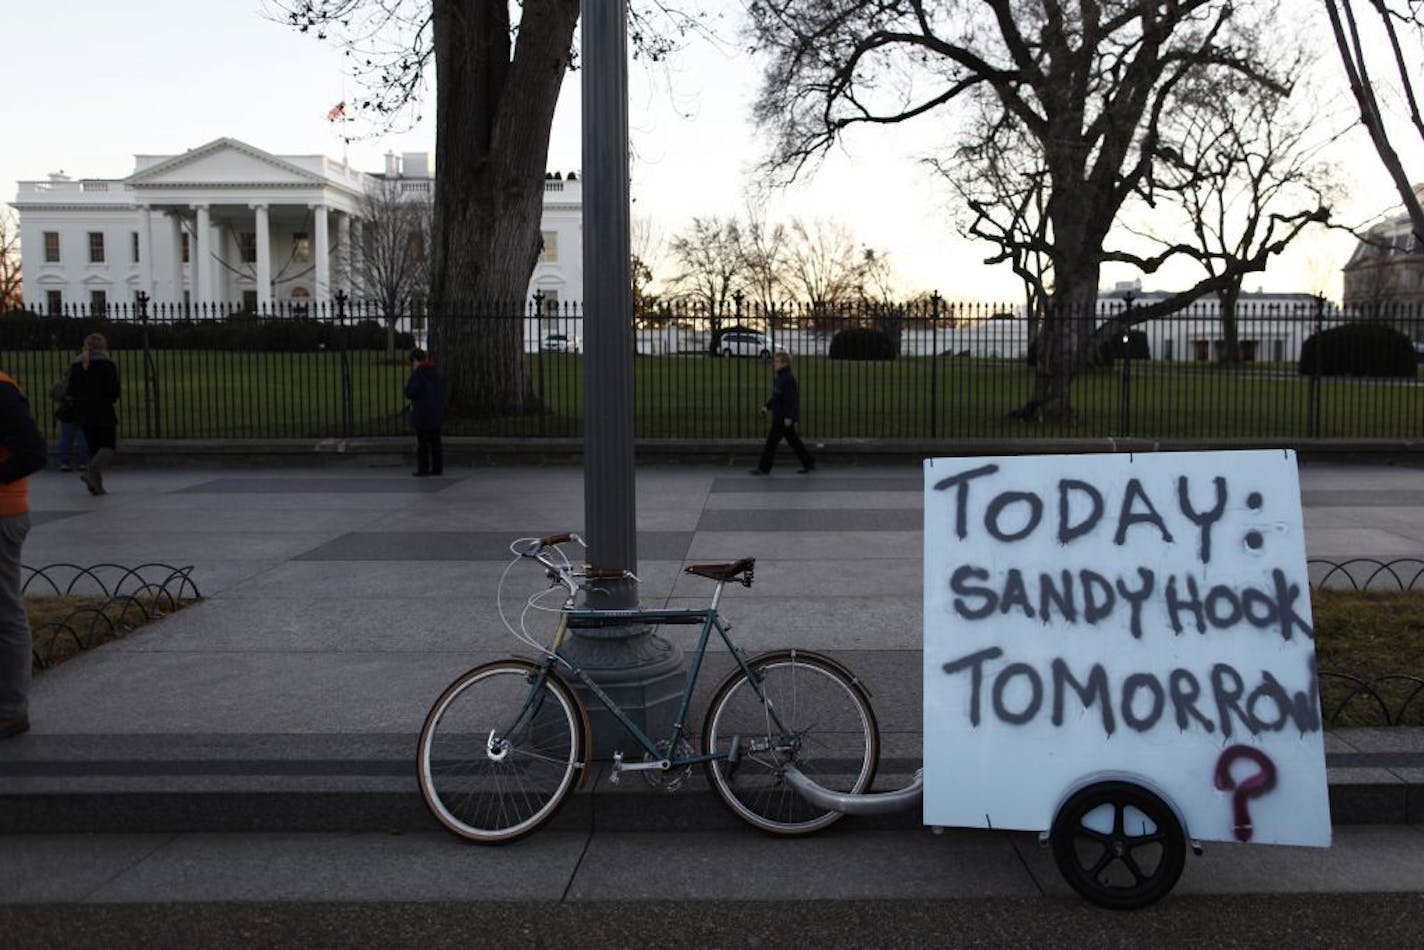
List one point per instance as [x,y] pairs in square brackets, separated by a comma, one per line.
[1118,845]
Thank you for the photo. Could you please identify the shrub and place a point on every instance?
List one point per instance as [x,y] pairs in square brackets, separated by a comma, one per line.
[862,343]
[1358,349]
[240,331]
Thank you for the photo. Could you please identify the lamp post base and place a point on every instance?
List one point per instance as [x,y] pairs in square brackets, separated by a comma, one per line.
[640,671]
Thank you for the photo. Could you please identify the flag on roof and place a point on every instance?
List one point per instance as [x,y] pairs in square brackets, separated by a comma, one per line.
[337,111]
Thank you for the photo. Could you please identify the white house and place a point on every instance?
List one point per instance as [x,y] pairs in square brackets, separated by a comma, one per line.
[229,223]
[1270,326]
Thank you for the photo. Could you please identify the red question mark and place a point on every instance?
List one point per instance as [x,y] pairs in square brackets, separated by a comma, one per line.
[1254,787]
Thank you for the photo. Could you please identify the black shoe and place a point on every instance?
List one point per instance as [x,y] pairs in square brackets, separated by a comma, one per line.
[805,471]
[66,467]
[757,471]
[421,474]
[14,725]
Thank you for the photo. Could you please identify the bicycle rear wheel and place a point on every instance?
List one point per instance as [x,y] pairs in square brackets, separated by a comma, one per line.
[830,734]
[498,754]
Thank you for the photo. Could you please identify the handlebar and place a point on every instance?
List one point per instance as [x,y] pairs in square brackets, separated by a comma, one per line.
[546,551]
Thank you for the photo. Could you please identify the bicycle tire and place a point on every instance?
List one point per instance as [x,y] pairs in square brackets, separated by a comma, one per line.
[1118,845]
[493,795]
[833,739]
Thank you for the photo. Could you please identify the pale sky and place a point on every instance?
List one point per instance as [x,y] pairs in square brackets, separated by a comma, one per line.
[95,82]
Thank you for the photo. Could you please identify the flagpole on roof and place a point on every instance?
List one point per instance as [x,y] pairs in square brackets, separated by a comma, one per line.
[337,113]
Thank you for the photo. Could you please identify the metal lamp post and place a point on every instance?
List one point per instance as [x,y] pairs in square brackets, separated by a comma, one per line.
[641,671]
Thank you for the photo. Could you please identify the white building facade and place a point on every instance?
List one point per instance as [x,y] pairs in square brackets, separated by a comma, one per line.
[227,224]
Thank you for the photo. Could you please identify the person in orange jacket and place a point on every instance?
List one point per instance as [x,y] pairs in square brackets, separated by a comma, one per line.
[22,451]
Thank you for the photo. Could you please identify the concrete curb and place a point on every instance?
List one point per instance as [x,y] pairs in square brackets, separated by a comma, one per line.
[353,789]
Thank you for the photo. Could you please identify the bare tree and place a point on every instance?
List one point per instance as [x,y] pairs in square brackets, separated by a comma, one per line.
[498,68]
[877,277]
[10,287]
[1246,174]
[1083,85]
[999,177]
[394,262]
[763,253]
[825,266]
[647,250]
[1392,17]
[709,255]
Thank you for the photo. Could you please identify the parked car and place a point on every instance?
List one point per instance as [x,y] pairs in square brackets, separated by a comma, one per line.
[743,343]
[560,343]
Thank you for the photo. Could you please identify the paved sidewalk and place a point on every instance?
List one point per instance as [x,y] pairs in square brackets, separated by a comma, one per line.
[339,602]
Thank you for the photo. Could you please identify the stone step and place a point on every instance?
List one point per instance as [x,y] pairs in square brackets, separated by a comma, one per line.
[158,783]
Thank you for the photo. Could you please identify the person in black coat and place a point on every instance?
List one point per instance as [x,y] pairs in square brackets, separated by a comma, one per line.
[784,408]
[94,387]
[426,391]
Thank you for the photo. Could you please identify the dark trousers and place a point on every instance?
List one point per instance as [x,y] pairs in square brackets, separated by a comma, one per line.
[780,430]
[429,457]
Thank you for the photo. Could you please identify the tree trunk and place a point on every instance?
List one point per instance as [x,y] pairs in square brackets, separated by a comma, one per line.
[493,116]
[1062,346]
[1230,332]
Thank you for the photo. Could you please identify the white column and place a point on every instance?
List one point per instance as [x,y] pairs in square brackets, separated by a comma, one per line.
[358,258]
[175,256]
[322,291]
[198,256]
[343,252]
[220,253]
[264,260]
[145,251]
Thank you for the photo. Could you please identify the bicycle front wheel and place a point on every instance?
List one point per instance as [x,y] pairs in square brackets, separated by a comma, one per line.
[827,729]
[500,750]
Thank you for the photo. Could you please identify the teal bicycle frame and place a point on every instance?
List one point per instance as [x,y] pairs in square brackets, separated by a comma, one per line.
[710,620]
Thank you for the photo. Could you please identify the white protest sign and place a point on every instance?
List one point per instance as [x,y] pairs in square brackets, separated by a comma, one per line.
[1141,617]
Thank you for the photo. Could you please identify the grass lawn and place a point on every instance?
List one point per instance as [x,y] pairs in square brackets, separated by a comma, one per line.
[63,626]
[1369,635]
[326,394]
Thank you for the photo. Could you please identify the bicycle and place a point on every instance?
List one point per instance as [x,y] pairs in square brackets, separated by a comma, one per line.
[503,744]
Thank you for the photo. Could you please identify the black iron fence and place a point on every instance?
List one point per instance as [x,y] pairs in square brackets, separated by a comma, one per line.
[1293,369]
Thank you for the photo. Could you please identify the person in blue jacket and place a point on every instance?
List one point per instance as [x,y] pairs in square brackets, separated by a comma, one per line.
[426,391]
[784,409]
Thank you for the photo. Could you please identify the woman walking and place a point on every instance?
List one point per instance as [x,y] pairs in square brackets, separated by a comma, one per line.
[94,387]
[784,408]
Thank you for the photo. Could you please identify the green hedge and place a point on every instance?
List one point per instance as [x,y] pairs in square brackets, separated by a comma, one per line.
[1359,349]
[862,343]
[241,332]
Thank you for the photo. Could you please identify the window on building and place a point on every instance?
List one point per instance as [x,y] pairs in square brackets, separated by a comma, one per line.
[135,246]
[551,247]
[249,301]
[301,247]
[247,243]
[96,247]
[551,302]
[51,247]
[54,302]
[185,247]
[416,245]
[98,302]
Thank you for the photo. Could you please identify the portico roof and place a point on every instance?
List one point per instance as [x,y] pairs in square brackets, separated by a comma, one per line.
[229,170]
